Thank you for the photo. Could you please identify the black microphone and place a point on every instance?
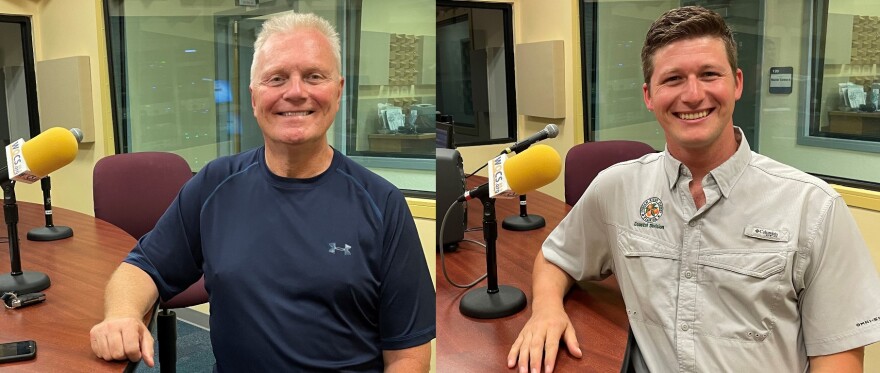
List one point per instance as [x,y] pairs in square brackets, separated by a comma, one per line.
[480,191]
[548,132]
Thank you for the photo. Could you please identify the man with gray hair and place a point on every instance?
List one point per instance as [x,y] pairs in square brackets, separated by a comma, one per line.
[312,262]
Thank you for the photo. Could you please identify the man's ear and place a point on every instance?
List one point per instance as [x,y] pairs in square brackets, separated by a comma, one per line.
[739,83]
[341,87]
[646,95]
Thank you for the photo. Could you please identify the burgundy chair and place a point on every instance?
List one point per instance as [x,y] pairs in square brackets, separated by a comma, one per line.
[582,164]
[584,161]
[132,191]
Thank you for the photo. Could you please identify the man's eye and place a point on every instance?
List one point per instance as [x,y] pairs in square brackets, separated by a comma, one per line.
[275,80]
[315,77]
[671,80]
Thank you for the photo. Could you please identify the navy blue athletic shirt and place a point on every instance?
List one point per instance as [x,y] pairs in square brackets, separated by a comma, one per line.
[303,274]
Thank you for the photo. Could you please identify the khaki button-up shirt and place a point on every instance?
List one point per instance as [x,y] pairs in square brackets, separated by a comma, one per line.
[771,270]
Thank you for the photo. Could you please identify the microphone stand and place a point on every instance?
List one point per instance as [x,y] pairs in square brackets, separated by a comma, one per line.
[523,222]
[17,280]
[493,301]
[50,232]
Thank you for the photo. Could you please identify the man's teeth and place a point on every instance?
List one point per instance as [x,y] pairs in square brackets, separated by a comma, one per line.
[691,116]
[295,113]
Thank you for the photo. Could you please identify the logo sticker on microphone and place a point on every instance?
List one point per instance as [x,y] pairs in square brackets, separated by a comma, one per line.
[650,212]
[498,186]
[18,168]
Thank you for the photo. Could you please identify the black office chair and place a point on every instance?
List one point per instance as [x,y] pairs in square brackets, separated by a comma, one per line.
[132,191]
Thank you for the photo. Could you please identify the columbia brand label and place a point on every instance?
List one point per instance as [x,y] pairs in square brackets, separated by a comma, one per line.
[764,233]
[650,212]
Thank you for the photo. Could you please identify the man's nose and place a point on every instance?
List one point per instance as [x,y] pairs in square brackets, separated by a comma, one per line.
[693,90]
[295,89]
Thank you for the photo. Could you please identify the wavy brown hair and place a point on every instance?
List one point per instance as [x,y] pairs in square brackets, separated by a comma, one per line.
[687,22]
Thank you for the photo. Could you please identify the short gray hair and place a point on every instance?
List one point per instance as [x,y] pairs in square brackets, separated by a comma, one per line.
[290,22]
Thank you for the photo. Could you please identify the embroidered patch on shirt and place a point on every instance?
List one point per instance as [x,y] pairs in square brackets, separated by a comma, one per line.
[761,233]
[650,212]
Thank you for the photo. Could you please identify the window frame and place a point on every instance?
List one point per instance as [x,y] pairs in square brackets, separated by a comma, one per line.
[509,65]
[809,117]
[30,75]
[349,17]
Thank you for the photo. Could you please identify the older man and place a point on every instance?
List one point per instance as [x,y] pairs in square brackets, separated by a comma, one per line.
[312,262]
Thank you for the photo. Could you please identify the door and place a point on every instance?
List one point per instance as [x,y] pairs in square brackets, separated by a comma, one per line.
[19,117]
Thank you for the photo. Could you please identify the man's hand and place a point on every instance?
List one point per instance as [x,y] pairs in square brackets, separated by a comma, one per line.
[122,338]
[540,337]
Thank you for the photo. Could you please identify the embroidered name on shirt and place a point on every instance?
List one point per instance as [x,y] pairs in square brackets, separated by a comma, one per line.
[761,233]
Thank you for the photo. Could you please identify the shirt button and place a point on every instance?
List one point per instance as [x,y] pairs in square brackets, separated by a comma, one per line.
[684,327]
[692,224]
[688,274]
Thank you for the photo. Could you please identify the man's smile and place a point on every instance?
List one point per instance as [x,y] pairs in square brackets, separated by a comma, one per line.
[694,115]
[295,113]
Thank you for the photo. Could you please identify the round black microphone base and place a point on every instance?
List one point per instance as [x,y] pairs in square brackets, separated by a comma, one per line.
[481,304]
[26,282]
[49,233]
[523,223]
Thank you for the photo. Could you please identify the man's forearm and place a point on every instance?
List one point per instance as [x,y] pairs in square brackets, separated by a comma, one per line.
[851,361]
[411,360]
[130,293]
[549,283]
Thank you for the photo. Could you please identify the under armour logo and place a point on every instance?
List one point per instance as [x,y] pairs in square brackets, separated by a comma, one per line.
[334,249]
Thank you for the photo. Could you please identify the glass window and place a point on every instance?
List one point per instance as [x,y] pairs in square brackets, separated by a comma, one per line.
[615,105]
[846,84]
[834,138]
[180,74]
[801,61]
[475,71]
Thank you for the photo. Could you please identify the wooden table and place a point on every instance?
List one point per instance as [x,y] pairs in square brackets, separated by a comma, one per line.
[473,345]
[78,268]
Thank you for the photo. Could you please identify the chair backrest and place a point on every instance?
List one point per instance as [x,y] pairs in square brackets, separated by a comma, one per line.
[584,161]
[132,190]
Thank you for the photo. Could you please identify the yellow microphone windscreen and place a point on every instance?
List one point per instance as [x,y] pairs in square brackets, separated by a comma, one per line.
[50,150]
[533,168]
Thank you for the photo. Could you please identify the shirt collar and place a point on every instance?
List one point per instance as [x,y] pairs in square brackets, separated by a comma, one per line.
[725,175]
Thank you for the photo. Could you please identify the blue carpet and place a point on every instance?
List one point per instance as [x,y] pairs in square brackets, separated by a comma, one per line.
[194,353]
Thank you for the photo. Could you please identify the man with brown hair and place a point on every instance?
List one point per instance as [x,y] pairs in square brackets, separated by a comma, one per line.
[727,260]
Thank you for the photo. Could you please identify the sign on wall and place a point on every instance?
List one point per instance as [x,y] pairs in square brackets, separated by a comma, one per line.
[780,79]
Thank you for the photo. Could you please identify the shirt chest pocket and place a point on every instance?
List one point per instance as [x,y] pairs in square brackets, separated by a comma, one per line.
[740,292]
[647,273]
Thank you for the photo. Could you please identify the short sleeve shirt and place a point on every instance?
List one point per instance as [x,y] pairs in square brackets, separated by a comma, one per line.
[318,274]
[771,270]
